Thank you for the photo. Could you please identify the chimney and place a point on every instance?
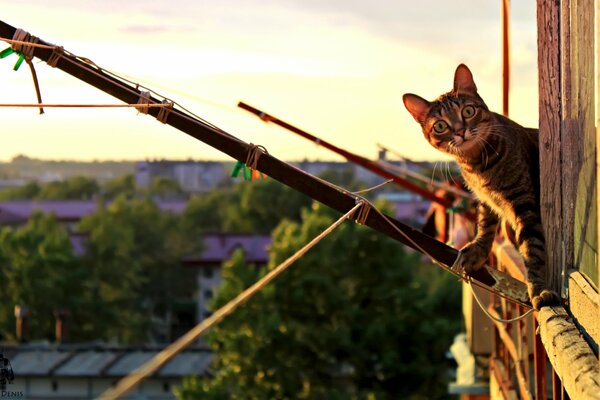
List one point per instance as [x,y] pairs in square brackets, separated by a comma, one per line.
[21,314]
[61,327]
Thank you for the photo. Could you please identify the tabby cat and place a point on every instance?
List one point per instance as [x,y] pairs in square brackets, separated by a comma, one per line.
[499,161]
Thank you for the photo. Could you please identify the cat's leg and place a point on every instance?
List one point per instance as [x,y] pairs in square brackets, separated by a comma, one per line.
[475,253]
[532,246]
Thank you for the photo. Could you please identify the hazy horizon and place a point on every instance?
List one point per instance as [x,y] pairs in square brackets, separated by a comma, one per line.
[337,69]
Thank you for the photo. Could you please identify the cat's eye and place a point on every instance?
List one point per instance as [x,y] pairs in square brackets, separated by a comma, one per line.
[440,126]
[468,111]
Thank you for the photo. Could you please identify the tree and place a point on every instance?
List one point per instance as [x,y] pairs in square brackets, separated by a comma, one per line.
[26,192]
[165,187]
[121,186]
[249,207]
[75,188]
[134,251]
[39,270]
[353,318]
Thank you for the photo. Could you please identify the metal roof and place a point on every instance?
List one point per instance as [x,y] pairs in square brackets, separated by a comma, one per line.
[192,363]
[100,360]
[129,362]
[36,362]
[86,363]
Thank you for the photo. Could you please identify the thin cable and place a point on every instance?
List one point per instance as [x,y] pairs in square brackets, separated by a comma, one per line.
[374,187]
[92,67]
[133,379]
[486,312]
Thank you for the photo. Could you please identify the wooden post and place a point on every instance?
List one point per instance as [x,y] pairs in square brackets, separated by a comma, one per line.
[548,24]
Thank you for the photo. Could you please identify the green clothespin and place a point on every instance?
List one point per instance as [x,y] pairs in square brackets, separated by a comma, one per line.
[247,173]
[237,168]
[241,167]
[7,52]
[19,62]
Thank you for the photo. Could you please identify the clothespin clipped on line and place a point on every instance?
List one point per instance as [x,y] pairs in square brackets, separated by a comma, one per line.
[249,173]
[8,51]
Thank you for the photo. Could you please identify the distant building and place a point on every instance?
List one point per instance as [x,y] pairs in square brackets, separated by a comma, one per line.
[192,176]
[218,248]
[203,176]
[84,371]
[409,207]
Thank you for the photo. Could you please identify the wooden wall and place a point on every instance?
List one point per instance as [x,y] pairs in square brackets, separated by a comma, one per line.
[568,136]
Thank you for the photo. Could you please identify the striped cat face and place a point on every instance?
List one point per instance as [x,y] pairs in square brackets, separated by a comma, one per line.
[458,122]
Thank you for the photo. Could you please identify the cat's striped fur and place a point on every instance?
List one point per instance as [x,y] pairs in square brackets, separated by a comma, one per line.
[499,160]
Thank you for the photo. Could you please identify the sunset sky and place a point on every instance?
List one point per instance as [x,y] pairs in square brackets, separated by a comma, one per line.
[337,68]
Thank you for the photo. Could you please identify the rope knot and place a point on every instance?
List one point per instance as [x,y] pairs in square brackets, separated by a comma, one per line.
[57,53]
[254,153]
[143,102]
[23,43]
[164,111]
[363,212]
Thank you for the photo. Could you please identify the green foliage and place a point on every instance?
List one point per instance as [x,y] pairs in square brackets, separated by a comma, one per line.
[75,188]
[249,207]
[39,270]
[122,289]
[122,186]
[29,191]
[134,252]
[164,187]
[352,319]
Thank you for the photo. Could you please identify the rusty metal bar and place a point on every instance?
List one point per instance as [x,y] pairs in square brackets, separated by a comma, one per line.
[514,355]
[505,55]
[539,365]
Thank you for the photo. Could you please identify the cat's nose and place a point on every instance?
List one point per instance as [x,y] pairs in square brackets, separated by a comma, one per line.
[461,132]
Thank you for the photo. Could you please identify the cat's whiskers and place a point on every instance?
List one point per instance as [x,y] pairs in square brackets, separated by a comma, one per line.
[433,173]
[450,177]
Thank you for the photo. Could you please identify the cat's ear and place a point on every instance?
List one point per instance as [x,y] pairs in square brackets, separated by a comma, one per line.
[463,80]
[417,106]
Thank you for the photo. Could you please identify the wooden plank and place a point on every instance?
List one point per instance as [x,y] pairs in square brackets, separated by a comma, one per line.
[549,52]
[569,353]
[584,306]
[579,140]
[328,194]
[598,146]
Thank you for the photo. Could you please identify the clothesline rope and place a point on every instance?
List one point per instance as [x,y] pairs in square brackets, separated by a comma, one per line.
[47,105]
[59,53]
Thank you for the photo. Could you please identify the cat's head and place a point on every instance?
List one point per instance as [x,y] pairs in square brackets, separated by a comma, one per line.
[458,122]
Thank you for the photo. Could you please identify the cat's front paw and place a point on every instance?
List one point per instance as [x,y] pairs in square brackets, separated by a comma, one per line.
[545,298]
[471,258]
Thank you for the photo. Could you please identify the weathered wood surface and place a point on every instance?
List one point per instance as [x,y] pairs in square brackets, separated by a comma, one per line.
[579,138]
[548,24]
[569,354]
[584,306]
